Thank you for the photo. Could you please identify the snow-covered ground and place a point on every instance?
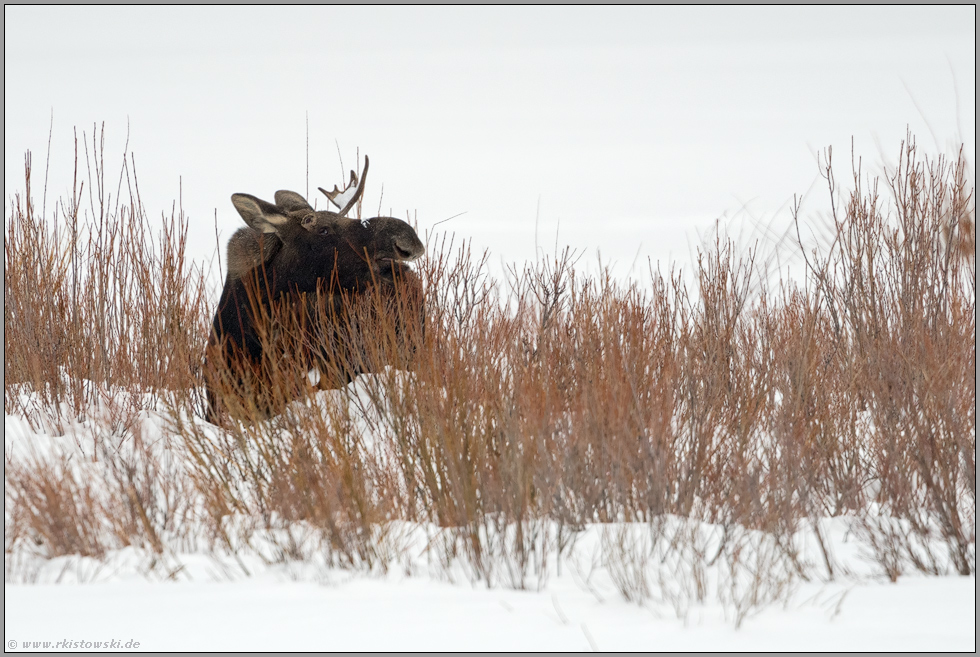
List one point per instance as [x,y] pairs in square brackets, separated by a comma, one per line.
[623,132]
[395,612]
[209,599]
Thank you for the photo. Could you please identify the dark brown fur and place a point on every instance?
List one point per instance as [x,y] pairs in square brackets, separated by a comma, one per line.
[303,270]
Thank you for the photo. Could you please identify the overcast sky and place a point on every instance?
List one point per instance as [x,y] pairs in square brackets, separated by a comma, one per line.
[625,130]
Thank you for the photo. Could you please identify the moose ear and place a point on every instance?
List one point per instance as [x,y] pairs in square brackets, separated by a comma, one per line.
[260,215]
[291,201]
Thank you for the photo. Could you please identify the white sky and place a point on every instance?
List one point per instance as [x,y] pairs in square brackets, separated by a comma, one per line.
[627,130]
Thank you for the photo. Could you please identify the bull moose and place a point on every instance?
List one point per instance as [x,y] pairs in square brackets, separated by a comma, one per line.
[295,279]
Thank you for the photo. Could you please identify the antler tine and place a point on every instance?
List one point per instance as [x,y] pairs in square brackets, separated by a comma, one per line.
[346,198]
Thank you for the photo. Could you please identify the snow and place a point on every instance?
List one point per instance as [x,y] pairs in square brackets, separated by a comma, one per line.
[255,599]
[620,131]
[395,612]
[203,599]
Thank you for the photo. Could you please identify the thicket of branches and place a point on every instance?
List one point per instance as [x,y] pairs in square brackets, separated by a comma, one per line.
[533,406]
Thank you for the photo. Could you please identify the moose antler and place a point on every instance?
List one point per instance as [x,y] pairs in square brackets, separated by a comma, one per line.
[346,198]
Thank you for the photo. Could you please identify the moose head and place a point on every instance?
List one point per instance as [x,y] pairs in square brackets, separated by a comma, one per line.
[256,244]
[292,261]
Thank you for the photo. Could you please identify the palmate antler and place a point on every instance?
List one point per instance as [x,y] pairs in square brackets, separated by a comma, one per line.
[346,198]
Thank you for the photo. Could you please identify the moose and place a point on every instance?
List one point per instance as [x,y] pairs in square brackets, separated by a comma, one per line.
[296,279]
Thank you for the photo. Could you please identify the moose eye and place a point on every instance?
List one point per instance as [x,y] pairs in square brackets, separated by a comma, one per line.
[324,230]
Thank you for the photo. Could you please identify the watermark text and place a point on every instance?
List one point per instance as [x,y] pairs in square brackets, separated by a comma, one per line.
[75,644]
